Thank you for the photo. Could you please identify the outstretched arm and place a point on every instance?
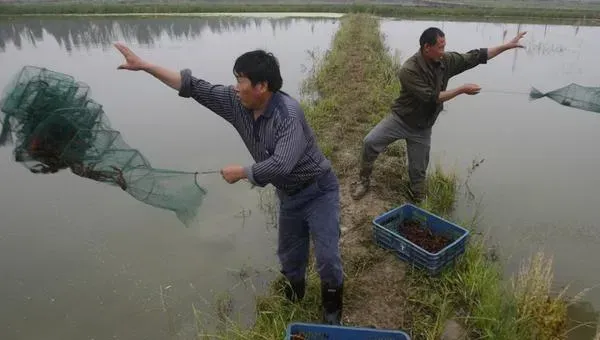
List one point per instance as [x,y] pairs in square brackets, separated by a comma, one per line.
[168,77]
[514,43]
[412,82]
[134,63]
[460,62]
[217,98]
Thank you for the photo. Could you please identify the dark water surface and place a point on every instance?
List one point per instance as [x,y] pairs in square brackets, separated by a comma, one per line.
[537,188]
[81,260]
[86,261]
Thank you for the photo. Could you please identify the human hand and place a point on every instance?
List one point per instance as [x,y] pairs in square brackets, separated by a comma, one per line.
[132,61]
[470,89]
[233,173]
[514,43]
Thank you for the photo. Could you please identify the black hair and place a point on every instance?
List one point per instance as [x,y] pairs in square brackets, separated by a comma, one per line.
[259,66]
[430,36]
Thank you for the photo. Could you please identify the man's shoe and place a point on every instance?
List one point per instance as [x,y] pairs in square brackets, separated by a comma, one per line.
[332,299]
[294,290]
[416,197]
[360,189]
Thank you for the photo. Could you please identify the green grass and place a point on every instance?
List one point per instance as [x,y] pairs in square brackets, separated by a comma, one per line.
[441,191]
[475,10]
[474,293]
[354,84]
[274,313]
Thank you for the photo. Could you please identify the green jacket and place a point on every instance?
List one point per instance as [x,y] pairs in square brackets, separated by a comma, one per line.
[422,83]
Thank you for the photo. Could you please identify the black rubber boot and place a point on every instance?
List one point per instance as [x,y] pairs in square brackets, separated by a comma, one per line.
[332,299]
[294,290]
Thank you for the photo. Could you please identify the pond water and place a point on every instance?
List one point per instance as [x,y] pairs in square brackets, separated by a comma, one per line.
[82,260]
[537,186]
[75,270]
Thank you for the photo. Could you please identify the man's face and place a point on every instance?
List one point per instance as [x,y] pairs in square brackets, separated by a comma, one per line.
[436,52]
[249,95]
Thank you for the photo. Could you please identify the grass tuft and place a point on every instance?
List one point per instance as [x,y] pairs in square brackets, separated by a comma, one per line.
[474,293]
[544,313]
[273,313]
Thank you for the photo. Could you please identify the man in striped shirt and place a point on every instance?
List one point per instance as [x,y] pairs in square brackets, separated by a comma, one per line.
[283,146]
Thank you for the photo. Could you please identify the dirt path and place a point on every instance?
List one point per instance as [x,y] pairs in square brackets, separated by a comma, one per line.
[356,86]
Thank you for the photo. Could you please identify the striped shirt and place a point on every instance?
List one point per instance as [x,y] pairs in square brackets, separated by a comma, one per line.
[280,141]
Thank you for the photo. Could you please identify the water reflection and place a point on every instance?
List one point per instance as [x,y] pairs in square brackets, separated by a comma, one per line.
[583,321]
[133,263]
[101,32]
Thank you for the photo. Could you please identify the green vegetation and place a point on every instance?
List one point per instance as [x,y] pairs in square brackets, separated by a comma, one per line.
[475,295]
[479,10]
[354,84]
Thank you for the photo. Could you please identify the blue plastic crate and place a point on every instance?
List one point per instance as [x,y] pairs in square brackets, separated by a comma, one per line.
[386,237]
[326,332]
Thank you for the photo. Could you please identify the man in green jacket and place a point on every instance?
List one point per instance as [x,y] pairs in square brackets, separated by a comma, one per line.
[424,78]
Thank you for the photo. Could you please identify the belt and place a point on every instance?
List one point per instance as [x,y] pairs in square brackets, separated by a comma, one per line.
[301,187]
[306,184]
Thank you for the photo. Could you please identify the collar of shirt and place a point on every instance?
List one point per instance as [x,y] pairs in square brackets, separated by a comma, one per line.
[425,65]
[271,105]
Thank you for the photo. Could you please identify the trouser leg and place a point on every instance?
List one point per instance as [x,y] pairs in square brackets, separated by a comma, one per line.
[387,131]
[383,134]
[323,216]
[293,248]
[418,161]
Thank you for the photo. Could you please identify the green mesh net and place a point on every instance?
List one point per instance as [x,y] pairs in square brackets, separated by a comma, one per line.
[55,125]
[577,96]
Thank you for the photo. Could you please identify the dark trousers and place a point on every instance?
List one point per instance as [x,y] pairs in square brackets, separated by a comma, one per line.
[418,143]
[313,213]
